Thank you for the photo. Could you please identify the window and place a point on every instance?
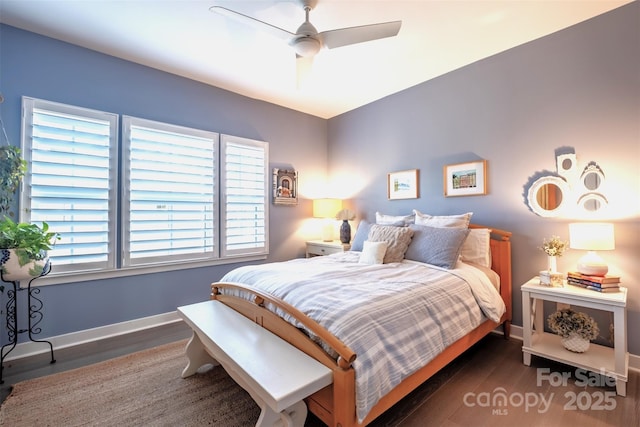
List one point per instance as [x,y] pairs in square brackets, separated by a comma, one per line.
[169,191]
[183,196]
[71,181]
[244,200]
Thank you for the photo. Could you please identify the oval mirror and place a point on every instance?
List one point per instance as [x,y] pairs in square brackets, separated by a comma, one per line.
[592,202]
[592,181]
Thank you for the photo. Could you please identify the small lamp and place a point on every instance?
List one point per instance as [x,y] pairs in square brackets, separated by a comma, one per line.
[326,209]
[592,237]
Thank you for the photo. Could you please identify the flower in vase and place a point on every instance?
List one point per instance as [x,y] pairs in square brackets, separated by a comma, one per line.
[554,246]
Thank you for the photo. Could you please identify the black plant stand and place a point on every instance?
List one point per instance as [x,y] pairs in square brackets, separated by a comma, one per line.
[35,317]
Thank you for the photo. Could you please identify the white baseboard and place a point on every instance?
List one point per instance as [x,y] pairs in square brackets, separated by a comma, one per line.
[634,359]
[26,349]
[103,332]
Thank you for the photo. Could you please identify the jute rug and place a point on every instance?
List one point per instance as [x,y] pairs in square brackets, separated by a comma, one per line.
[145,389]
[141,389]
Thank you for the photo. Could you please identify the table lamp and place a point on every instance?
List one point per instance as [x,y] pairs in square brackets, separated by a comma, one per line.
[326,209]
[592,237]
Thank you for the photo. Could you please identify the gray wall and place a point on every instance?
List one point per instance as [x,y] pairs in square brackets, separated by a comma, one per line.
[41,67]
[577,88]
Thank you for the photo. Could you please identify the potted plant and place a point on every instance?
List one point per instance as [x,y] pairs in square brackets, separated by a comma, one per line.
[23,247]
[23,253]
[575,328]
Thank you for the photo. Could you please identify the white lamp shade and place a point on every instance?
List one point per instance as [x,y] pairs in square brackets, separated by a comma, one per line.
[591,236]
[326,208]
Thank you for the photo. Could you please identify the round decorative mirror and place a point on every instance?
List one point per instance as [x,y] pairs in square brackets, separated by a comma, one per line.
[546,195]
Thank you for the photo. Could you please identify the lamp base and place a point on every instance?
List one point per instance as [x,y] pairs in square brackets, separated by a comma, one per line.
[592,265]
[327,232]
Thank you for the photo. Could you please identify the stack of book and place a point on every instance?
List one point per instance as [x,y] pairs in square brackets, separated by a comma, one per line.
[595,283]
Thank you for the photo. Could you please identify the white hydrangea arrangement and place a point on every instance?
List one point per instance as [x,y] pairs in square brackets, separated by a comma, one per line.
[566,321]
[554,246]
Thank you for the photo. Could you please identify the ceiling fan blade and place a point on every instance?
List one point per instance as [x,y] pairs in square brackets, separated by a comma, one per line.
[352,35]
[256,23]
[304,65]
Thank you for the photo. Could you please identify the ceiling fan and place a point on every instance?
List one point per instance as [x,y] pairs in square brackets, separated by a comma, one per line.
[307,41]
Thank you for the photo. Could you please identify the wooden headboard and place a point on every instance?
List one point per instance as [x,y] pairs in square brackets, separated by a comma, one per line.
[501,264]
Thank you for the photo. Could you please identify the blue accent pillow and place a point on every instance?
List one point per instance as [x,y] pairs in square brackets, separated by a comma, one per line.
[436,246]
[362,233]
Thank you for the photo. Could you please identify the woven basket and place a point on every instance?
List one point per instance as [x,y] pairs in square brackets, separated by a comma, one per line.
[575,343]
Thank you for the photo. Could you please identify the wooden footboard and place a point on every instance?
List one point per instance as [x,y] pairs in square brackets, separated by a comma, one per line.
[335,404]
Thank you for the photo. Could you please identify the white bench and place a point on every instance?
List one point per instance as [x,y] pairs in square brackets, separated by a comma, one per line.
[277,375]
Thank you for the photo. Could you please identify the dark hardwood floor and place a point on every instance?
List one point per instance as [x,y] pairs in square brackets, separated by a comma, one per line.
[486,386]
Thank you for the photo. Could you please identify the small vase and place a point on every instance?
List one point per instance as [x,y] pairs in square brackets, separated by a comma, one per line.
[345,231]
[552,263]
[575,343]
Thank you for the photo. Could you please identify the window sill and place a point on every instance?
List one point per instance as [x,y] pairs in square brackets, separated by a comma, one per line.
[86,276]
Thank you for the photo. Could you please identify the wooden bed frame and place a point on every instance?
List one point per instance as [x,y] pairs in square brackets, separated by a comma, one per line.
[335,404]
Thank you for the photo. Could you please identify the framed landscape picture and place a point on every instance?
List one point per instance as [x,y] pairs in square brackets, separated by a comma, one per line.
[402,185]
[465,179]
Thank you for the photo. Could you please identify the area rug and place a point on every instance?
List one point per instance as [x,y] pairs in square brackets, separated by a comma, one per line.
[146,389]
[141,389]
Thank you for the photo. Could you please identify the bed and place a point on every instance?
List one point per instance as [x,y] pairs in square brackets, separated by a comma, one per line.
[311,304]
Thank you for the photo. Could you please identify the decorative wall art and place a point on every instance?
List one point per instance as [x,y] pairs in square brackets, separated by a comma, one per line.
[402,185]
[465,179]
[569,191]
[285,187]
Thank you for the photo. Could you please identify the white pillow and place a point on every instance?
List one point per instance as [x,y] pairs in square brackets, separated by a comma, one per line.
[372,252]
[455,221]
[477,247]
[397,220]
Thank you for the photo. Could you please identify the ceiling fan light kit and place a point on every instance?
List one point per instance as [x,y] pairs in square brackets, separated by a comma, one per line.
[306,46]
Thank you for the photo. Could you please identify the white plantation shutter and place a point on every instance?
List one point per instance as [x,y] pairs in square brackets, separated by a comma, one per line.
[244,182]
[169,191]
[71,153]
[183,195]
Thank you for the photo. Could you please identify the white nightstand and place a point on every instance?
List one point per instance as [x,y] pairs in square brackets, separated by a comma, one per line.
[612,362]
[320,247]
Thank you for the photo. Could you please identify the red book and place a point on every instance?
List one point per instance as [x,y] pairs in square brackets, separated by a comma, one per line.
[594,279]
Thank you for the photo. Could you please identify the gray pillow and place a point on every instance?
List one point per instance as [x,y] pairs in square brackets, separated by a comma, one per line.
[436,246]
[362,232]
[397,238]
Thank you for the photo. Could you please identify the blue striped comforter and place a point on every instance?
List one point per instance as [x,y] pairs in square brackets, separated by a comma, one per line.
[396,317]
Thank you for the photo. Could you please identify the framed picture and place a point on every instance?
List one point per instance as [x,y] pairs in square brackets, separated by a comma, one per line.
[402,185]
[465,179]
[285,187]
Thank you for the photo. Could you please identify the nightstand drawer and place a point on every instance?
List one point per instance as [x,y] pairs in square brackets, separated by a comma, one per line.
[321,248]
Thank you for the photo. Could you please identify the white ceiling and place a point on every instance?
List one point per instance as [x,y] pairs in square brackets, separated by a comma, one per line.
[183,37]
